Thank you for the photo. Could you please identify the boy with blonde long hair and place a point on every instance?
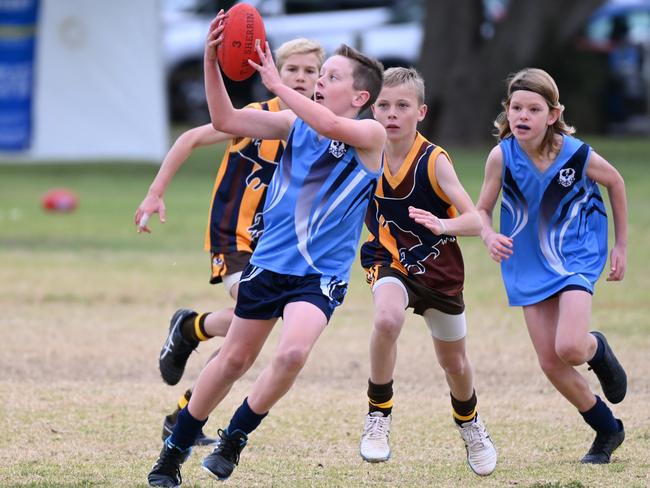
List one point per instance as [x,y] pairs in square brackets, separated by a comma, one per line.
[552,245]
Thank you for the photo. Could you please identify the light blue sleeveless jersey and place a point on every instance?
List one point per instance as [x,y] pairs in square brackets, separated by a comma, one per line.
[557,221]
[315,207]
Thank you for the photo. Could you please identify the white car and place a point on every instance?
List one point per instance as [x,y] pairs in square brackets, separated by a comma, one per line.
[365,24]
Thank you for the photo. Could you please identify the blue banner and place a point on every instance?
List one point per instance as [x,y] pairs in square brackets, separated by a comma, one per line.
[18,20]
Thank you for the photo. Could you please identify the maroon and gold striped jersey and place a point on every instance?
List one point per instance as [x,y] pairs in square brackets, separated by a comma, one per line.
[396,240]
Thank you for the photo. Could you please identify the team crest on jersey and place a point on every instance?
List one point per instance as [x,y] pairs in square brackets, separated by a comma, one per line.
[337,149]
[567,177]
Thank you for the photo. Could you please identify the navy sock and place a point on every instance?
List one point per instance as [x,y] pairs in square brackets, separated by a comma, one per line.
[600,417]
[600,352]
[245,419]
[186,430]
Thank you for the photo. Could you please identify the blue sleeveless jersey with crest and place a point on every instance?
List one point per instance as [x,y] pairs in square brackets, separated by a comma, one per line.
[557,221]
[315,207]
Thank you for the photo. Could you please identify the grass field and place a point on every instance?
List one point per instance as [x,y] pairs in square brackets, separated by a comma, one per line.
[86,303]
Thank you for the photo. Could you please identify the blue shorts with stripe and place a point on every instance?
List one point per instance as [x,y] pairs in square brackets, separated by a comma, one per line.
[263,294]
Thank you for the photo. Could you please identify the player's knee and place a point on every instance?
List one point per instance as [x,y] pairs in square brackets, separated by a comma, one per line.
[388,324]
[291,360]
[235,365]
[571,354]
[454,365]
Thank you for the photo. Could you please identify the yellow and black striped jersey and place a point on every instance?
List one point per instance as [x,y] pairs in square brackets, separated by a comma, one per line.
[235,219]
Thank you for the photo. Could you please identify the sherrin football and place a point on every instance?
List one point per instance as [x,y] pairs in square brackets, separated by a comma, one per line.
[59,200]
[243,30]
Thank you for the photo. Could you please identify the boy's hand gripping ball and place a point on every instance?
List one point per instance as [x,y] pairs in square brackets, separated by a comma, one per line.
[243,30]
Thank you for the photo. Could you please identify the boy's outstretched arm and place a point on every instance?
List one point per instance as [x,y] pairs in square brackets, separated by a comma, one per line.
[602,172]
[177,156]
[468,223]
[498,245]
[366,136]
[258,124]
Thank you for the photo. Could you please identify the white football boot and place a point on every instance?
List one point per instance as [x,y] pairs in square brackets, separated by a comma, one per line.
[481,453]
[374,446]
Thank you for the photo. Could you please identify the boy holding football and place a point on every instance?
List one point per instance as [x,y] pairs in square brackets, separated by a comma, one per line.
[235,216]
[313,216]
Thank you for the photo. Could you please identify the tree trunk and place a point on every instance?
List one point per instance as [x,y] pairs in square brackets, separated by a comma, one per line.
[465,73]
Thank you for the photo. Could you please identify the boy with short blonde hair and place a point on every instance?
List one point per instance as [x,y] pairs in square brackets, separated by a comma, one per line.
[413,261]
[299,46]
[408,78]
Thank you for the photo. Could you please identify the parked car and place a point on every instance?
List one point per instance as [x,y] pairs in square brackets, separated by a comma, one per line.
[372,25]
[621,30]
[392,31]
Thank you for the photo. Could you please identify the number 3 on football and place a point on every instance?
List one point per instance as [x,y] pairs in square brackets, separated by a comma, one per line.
[243,30]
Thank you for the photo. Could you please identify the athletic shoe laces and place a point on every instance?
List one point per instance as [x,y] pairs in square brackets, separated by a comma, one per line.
[475,435]
[170,461]
[376,427]
[229,447]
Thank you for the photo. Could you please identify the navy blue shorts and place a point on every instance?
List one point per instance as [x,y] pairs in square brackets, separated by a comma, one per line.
[263,294]
[569,288]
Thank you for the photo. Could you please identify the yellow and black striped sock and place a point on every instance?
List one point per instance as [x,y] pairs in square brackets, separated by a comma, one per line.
[380,398]
[464,411]
[182,403]
[193,328]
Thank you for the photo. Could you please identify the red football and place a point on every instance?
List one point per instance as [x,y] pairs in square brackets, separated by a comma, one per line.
[59,200]
[244,29]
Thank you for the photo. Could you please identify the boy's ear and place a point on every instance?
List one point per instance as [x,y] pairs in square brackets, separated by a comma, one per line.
[422,112]
[553,115]
[360,98]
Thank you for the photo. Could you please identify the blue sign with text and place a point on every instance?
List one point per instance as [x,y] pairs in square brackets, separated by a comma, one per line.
[17,44]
